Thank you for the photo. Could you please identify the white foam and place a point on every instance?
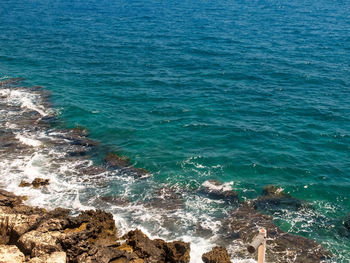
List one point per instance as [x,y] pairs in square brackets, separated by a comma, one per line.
[222,187]
[28,141]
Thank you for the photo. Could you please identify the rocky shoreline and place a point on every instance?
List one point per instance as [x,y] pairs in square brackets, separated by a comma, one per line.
[33,234]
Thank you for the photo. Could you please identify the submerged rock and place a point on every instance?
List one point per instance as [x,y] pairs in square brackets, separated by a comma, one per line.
[115,161]
[347,222]
[218,190]
[165,198]
[275,198]
[216,255]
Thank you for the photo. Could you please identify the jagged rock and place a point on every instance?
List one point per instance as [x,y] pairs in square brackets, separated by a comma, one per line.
[37,182]
[115,161]
[274,198]
[14,225]
[36,243]
[24,184]
[144,247]
[216,255]
[9,199]
[11,254]
[217,190]
[87,233]
[244,223]
[177,252]
[55,257]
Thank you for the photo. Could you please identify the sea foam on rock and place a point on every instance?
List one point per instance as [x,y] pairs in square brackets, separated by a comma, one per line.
[218,190]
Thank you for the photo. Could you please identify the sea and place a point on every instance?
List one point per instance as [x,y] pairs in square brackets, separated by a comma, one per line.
[250,93]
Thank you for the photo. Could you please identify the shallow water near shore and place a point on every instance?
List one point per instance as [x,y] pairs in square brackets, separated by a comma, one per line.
[249,93]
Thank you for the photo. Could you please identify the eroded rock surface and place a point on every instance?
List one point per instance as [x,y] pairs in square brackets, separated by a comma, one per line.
[218,190]
[244,223]
[216,255]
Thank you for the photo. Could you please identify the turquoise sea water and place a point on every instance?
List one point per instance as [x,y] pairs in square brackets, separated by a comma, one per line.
[254,92]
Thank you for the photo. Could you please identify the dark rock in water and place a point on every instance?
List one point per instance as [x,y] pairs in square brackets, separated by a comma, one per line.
[137,172]
[115,200]
[347,222]
[115,161]
[10,81]
[216,255]
[37,182]
[177,252]
[166,198]
[24,184]
[244,223]
[274,198]
[218,190]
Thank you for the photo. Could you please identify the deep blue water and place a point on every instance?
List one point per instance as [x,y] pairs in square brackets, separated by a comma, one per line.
[254,92]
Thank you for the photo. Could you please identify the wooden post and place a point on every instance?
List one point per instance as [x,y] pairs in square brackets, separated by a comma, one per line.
[262,247]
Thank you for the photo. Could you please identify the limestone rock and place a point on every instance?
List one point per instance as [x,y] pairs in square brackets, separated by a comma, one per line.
[144,247]
[177,252]
[9,199]
[216,255]
[11,254]
[36,243]
[55,257]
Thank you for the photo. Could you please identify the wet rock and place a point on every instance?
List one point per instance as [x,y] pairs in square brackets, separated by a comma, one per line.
[37,182]
[10,81]
[116,200]
[11,254]
[216,255]
[24,184]
[115,161]
[218,190]
[274,198]
[177,252]
[244,223]
[144,247]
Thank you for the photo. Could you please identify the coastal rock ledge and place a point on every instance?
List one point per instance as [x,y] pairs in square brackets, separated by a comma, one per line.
[35,235]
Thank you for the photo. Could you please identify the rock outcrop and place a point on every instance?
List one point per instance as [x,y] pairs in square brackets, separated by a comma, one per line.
[30,234]
[274,197]
[216,255]
[244,223]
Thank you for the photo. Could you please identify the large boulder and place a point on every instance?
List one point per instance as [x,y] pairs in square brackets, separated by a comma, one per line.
[216,255]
